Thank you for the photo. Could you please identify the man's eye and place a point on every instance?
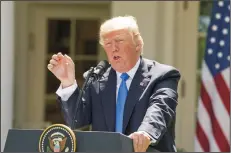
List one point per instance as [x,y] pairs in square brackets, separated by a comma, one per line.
[120,40]
[108,43]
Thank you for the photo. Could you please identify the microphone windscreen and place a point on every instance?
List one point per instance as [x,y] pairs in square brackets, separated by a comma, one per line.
[102,65]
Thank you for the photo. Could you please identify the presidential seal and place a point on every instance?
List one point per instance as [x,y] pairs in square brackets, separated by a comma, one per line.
[57,138]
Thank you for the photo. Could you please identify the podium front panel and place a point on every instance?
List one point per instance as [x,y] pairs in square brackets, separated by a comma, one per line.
[22,141]
[19,140]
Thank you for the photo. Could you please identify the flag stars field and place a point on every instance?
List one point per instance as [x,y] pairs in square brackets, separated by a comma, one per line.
[217,66]
[224,31]
[210,51]
[219,54]
[221,3]
[227,19]
[212,40]
[218,16]
[214,28]
[222,43]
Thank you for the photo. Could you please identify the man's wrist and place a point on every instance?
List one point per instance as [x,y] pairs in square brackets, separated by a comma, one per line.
[152,140]
[67,84]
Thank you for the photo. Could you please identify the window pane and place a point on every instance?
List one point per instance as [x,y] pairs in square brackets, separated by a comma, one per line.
[206,7]
[204,18]
[204,23]
[58,36]
[87,37]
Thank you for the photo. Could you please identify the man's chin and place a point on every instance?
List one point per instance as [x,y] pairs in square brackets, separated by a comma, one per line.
[119,68]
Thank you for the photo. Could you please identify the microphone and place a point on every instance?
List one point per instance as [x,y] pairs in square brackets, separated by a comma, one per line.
[98,71]
[91,75]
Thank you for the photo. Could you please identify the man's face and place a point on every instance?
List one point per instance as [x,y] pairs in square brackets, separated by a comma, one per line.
[121,50]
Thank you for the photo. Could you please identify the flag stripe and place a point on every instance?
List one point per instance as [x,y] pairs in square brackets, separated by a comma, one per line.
[219,109]
[217,132]
[223,91]
[204,119]
[226,76]
[197,145]
[205,122]
[202,138]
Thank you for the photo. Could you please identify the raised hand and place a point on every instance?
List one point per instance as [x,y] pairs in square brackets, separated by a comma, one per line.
[63,68]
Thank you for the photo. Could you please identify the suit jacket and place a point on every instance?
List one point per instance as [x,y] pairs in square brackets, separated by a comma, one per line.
[150,105]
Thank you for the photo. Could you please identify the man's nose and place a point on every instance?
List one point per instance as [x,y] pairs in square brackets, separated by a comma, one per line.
[114,46]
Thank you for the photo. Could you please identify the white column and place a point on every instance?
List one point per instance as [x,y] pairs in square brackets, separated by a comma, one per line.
[7,68]
[168,42]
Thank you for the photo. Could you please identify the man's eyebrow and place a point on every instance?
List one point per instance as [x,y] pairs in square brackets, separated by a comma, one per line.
[116,36]
[120,35]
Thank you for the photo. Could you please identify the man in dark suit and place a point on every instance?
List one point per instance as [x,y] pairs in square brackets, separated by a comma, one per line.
[135,96]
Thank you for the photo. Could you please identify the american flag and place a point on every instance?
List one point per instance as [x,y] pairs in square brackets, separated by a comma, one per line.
[213,118]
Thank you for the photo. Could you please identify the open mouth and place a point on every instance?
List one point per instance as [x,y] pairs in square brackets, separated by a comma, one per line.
[116,57]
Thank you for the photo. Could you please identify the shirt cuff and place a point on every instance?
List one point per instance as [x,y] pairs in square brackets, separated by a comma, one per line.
[66,92]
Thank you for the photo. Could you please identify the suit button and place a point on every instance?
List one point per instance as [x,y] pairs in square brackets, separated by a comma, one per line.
[157,134]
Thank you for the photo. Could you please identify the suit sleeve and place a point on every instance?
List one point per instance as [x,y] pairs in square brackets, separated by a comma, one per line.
[83,114]
[162,106]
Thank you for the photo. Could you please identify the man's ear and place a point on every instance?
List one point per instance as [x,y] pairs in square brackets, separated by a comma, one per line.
[137,42]
[138,45]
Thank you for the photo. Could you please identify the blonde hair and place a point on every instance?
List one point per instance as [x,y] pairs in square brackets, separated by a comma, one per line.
[118,23]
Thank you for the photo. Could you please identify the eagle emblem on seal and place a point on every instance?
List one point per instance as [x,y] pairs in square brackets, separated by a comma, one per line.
[57,142]
[57,138]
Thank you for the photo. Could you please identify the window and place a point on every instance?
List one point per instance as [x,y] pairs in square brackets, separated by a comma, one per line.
[77,38]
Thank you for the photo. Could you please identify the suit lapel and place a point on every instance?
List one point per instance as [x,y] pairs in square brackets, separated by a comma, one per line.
[108,97]
[138,84]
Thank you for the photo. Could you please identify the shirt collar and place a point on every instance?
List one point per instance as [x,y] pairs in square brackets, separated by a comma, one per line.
[131,72]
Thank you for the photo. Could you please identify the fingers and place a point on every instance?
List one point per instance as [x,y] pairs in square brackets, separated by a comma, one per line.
[68,59]
[135,139]
[50,66]
[136,142]
[60,55]
[140,141]
[55,57]
[55,60]
[53,63]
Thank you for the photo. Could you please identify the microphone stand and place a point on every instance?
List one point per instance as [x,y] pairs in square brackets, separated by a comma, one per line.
[88,80]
